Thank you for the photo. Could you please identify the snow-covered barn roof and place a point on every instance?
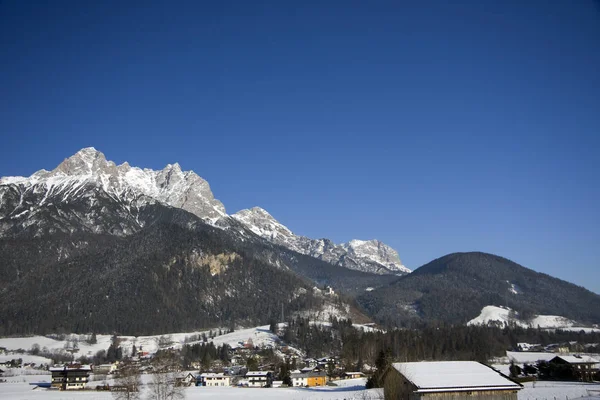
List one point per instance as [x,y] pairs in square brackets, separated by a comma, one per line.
[445,376]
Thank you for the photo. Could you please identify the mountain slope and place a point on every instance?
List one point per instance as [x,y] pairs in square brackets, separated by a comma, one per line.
[456,287]
[367,256]
[177,273]
[173,265]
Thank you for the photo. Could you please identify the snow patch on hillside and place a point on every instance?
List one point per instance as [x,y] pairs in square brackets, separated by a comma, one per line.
[260,335]
[513,288]
[505,316]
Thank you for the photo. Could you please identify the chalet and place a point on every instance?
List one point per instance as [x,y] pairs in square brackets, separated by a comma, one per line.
[259,378]
[70,377]
[353,375]
[105,369]
[213,379]
[237,360]
[326,361]
[310,362]
[188,380]
[584,365]
[529,347]
[448,380]
[235,370]
[308,379]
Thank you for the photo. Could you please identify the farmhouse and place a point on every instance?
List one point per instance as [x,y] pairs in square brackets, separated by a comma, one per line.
[70,377]
[212,379]
[308,379]
[448,380]
[584,365]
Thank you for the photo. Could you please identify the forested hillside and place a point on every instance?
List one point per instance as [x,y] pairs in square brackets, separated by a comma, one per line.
[455,288]
[177,273]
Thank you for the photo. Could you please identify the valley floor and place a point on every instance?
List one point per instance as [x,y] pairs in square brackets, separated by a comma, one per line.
[18,388]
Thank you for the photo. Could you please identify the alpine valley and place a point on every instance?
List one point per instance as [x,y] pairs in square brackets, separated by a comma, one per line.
[92,246]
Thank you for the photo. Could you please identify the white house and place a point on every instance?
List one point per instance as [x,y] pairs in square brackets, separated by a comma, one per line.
[259,378]
[213,379]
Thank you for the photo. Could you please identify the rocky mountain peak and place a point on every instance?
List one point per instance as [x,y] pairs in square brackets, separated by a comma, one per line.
[374,250]
[89,166]
[84,162]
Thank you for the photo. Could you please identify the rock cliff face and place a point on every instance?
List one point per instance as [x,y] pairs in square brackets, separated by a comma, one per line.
[367,256]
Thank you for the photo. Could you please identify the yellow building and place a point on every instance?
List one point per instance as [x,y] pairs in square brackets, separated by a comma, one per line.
[316,379]
[308,379]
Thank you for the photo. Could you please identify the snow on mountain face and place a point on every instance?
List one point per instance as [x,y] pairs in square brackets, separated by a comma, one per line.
[368,256]
[83,185]
[375,251]
[80,177]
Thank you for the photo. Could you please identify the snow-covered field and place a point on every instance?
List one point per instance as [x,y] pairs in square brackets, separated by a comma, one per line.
[27,358]
[528,357]
[559,391]
[347,389]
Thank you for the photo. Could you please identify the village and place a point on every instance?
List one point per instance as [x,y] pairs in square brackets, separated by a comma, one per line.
[258,358]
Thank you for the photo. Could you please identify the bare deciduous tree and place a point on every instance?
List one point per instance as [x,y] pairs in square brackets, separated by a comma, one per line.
[128,383]
[164,387]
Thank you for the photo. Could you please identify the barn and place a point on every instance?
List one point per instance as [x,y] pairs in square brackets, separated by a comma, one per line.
[454,380]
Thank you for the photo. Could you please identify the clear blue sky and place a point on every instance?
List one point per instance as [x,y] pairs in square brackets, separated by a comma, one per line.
[434,127]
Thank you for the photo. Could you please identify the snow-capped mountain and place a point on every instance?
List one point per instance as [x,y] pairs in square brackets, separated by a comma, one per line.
[83,181]
[88,193]
[367,256]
